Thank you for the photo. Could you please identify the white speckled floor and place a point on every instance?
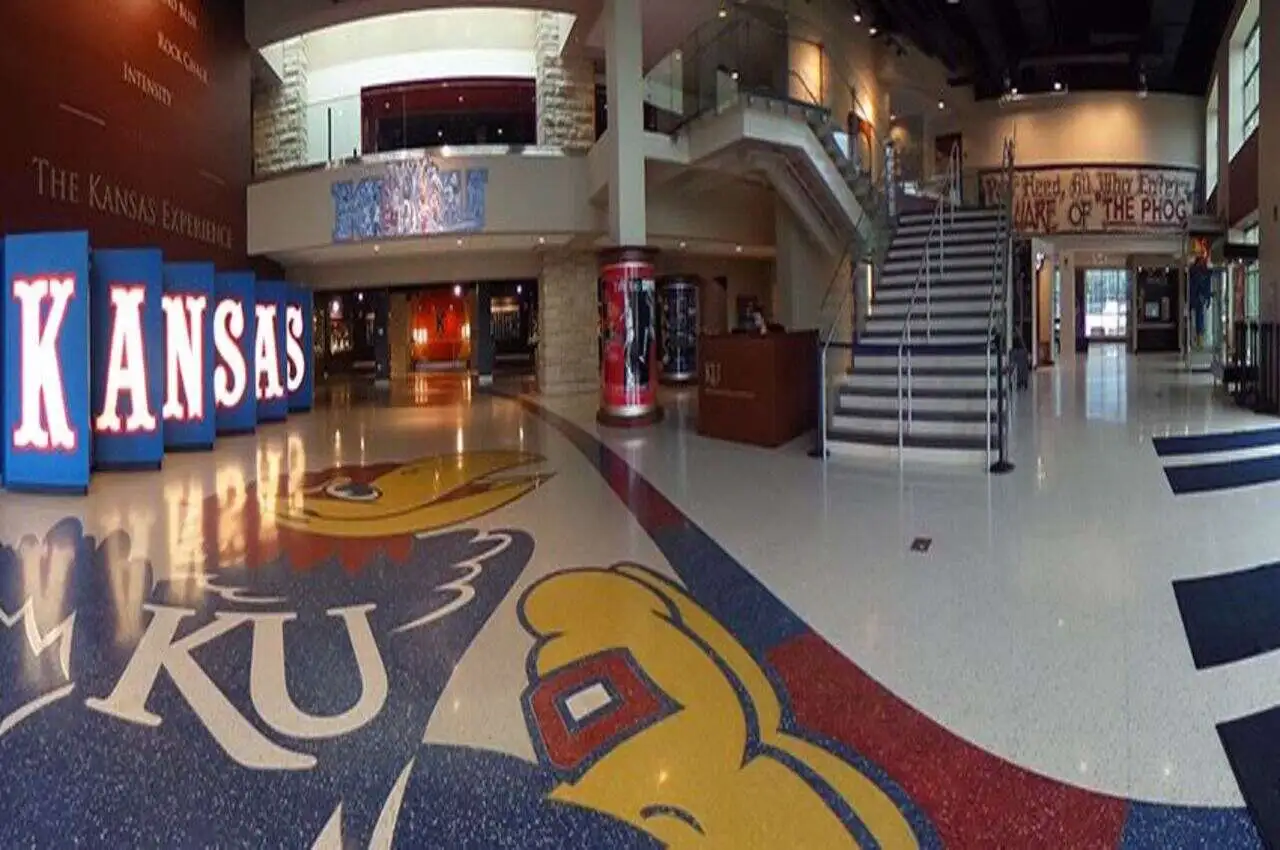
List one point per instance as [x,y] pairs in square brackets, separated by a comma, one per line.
[1041,626]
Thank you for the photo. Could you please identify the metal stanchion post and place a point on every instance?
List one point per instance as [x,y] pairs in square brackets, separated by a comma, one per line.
[1002,464]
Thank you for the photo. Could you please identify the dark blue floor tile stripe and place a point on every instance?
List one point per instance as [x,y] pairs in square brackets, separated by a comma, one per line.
[1155,826]
[1253,749]
[1225,475]
[1231,617]
[1224,442]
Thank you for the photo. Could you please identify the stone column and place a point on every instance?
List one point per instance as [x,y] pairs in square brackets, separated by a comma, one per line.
[568,324]
[280,115]
[565,88]
[398,335]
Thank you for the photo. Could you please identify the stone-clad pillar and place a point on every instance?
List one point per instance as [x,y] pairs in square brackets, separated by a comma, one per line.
[280,115]
[567,324]
[565,87]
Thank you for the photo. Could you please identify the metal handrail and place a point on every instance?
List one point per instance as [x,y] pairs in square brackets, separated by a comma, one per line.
[924,276]
[1001,260]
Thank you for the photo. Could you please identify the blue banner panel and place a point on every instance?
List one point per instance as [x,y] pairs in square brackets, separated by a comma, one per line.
[234,328]
[190,418]
[300,379]
[46,362]
[269,351]
[127,363]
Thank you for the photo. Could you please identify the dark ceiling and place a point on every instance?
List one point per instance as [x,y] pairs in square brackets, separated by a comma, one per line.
[1084,44]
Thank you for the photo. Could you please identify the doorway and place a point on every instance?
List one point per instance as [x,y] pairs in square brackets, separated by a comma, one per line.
[1106,298]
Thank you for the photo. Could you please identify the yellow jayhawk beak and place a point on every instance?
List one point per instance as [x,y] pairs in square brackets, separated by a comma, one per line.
[651,712]
[423,495]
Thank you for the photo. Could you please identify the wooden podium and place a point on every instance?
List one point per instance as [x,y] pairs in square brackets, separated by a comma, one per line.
[755,389]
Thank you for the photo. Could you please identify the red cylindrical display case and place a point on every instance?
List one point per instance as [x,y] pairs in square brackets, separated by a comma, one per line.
[629,364]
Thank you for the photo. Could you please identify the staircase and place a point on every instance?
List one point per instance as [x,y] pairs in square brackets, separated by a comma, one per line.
[923,382]
[870,195]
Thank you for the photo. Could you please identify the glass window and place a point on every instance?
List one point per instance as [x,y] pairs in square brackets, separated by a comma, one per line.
[1252,64]
[1252,280]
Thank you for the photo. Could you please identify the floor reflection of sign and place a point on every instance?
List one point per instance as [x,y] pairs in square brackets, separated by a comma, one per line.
[1097,199]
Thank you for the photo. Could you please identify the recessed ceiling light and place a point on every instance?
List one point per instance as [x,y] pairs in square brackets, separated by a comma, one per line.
[542,240]
[874,29]
[942,104]
[893,117]
[684,245]
[738,248]
[1057,85]
[1013,91]
[734,75]
[377,248]
[459,243]
[457,290]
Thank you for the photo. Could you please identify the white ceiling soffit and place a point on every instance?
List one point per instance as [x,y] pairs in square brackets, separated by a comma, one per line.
[666,23]
[270,21]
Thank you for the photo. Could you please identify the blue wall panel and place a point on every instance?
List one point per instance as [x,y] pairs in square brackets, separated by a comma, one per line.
[233,336]
[269,351]
[190,418]
[300,350]
[127,358]
[46,433]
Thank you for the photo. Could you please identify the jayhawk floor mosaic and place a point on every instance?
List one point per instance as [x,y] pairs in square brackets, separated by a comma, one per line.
[279,676]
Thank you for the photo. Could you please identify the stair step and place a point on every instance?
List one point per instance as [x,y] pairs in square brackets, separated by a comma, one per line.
[970,247]
[936,307]
[888,423]
[948,402]
[976,362]
[966,416]
[873,350]
[947,337]
[940,294]
[981,274]
[932,448]
[960,214]
[936,261]
[971,229]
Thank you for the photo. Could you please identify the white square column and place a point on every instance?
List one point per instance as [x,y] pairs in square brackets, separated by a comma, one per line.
[624,76]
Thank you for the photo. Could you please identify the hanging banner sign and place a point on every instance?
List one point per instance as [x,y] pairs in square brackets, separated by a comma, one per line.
[299,351]
[629,376]
[46,362]
[127,341]
[189,407]
[234,333]
[270,303]
[1097,199]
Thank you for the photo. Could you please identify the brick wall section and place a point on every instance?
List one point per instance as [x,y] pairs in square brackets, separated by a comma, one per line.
[568,352]
[566,90]
[280,116]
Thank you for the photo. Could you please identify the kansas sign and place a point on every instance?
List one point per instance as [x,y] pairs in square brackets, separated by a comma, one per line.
[110,358]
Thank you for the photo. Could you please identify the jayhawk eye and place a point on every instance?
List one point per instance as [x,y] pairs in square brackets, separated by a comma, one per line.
[352,491]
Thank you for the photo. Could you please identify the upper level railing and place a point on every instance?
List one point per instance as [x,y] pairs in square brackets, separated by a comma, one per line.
[749,52]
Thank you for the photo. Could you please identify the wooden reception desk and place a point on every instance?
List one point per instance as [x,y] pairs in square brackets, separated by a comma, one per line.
[759,390]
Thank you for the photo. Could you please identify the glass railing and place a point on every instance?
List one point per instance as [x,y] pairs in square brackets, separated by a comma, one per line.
[346,128]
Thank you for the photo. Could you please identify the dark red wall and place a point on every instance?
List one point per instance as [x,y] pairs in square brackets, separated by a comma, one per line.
[108,132]
[1242,177]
